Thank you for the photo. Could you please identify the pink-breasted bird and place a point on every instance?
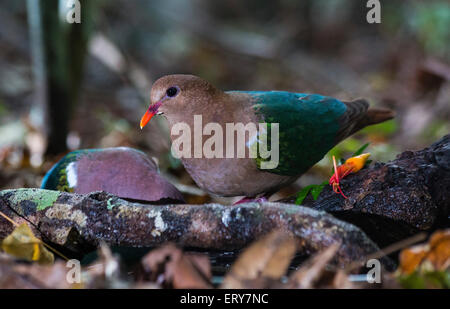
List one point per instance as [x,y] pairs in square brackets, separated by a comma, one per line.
[309,126]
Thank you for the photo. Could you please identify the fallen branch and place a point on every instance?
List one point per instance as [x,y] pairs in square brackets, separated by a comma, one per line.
[79,223]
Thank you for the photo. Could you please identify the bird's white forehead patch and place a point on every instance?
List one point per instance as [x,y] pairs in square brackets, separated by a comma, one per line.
[71,171]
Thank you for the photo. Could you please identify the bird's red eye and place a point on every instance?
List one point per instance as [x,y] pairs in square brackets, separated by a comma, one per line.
[172,91]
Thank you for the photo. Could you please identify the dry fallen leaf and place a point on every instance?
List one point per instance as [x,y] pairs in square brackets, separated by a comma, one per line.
[47,276]
[435,253]
[168,265]
[105,272]
[341,280]
[22,244]
[265,260]
[311,271]
[14,275]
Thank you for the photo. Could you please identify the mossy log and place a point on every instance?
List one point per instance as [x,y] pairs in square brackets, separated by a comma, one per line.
[78,223]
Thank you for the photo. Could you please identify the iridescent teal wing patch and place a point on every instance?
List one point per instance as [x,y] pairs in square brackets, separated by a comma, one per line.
[308,125]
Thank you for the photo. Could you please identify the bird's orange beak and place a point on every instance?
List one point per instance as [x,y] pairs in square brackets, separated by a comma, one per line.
[146,118]
[152,110]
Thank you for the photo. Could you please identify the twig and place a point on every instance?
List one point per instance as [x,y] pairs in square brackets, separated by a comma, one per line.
[388,250]
[9,219]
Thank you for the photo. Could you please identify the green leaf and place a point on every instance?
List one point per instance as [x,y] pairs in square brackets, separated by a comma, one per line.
[315,192]
[302,194]
[317,189]
[426,280]
[360,150]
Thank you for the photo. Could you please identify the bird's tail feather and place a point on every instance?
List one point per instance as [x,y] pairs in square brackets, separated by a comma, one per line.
[359,115]
[377,115]
[373,116]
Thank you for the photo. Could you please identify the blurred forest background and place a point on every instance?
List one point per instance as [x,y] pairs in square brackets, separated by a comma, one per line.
[71,86]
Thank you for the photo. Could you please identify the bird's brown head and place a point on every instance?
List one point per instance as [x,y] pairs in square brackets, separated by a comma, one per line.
[178,93]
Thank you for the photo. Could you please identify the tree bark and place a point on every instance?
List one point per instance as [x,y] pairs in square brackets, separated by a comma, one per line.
[394,200]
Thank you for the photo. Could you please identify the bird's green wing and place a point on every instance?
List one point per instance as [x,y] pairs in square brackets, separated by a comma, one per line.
[309,125]
[57,177]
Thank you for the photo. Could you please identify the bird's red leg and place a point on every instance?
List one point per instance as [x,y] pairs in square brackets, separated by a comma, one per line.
[244,200]
[261,199]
